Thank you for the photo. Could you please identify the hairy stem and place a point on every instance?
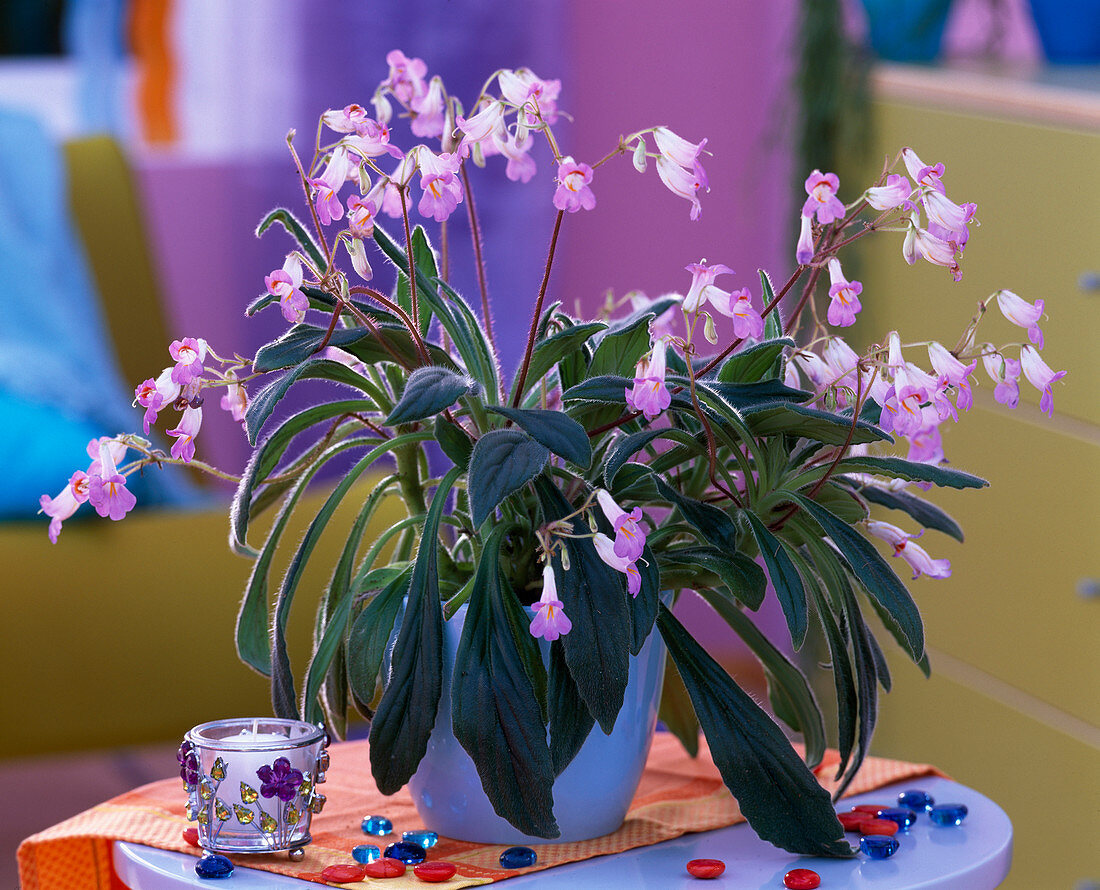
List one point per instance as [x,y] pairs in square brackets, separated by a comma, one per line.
[475,236]
[538,312]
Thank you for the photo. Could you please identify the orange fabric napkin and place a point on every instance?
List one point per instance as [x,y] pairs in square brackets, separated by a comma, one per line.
[677,795]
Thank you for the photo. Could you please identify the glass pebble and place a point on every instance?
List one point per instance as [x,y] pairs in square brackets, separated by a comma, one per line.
[384,868]
[518,857]
[213,866]
[344,874]
[801,879]
[377,825]
[852,821]
[948,814]
[364,853]
[871,809]
[407,852]
[878,846]
[915,799]
[903,816]
[435,872]
[426,839]
[705,868]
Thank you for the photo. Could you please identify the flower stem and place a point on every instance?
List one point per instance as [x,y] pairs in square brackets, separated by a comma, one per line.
[475,236]
[409,254]
[516,398]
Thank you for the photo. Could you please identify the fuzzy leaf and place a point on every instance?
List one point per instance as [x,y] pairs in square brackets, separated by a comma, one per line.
[453,441]
[558,432]
[618,351]
[554,348]
[812,423]
[570,719]
[784,577]
[502,462]
[676,712]
[428,391]
[924,512]
[753,364]
[911,471]
[744,578]
[370,632]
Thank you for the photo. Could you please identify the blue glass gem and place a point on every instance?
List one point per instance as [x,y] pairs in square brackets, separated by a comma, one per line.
[377,825]
[213,866]
[365,853]
[518,857]
[948,814]
[407,852]
[426,839]
[878,846]
[915,799]
[903,816]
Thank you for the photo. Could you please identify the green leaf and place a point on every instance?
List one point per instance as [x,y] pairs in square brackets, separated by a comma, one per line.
[406,713]
[553,349]
[264,402]
[811,423]
[370,633]
[924,512]
[502,462]
[618,351]
[712,523]
[840,501]
[558,432]
[472,343]
[748,396]
[494,708]
[863,660]
[289,222]
[643,607]
[592,596]
[776,792]
[755,362]
[424,258]
[773,324]
[654,309]
[741,575]
[784,577]
[847,701]
[611,390]
[909,470]
[428,391]
[873,573]
[626,447]
[453,441]
[789,682]
[676,712]
[570,719]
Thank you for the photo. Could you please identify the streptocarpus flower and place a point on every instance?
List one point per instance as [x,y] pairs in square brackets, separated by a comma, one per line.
[406,77]
[550,621]
[361,214]
[902,412]
[442,188]
[747,322]
[107,490]
[525,89]
[188,355]
[286,283]
[64,505]
[926,176]
[521,166]
[804,250]
[892,194]
[649,394]
[428,111]
[235,400]
[702,288]
[922,243]
[574,192]
[844,304]
[605,549]
[954,372]
[345,120]
[685,183]
[483,126]
[630,533]
[948,215]
[1020,312]
[1005,373]
[822,200]
[1039,375]
[680,151]
[153,395]
[184,433]
[279,780]
[902,542]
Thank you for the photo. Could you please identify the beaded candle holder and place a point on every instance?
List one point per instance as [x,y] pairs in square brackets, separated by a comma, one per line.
[252,783]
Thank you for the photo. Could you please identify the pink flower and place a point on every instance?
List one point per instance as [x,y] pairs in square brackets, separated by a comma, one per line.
[804,250]
[1040,376]
[747,322]
[822,200]
[681,152]
[361,214]
[428,111]
[184,446]
[357,251]
[286,284]
[235,401]
[64,505]
[1021,312]
[902,412]
[605,549]
[573,192]
[442,187]
[923,175]
[915,555]
[948,215]
[153,395]
[107,490]
[483,126]
[649,394]
[630,534]
[345,120]
[525,89]
[953,372]
[371,139]
[550,621]
[406,77]
[521,166]
[1005,373]
[845,304]
[893,194]
[188,354]
[685,183]
[702,288]
[922,243]
[926,444]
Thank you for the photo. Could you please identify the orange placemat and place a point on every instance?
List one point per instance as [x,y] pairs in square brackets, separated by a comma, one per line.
[677,795]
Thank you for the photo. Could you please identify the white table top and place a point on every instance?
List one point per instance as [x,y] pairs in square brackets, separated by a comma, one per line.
[973,856]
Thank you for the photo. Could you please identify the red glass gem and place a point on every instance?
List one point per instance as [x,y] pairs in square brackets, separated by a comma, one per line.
[879,826]
[344,874]
[435,872]
[870,808]
[706,868]
[852,821]
[191,836]
[384,868]
[801,879]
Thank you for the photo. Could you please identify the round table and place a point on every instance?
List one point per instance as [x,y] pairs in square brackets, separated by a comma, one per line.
[973,856]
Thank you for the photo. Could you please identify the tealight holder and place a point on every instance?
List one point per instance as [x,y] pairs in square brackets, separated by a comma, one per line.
[252,783]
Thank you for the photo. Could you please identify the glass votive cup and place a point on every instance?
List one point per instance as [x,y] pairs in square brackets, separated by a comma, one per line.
[252,783]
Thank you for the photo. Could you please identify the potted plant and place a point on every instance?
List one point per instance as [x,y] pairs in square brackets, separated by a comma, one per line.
[630,457]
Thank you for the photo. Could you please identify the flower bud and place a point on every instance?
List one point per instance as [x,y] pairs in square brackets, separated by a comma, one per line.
[639,158]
